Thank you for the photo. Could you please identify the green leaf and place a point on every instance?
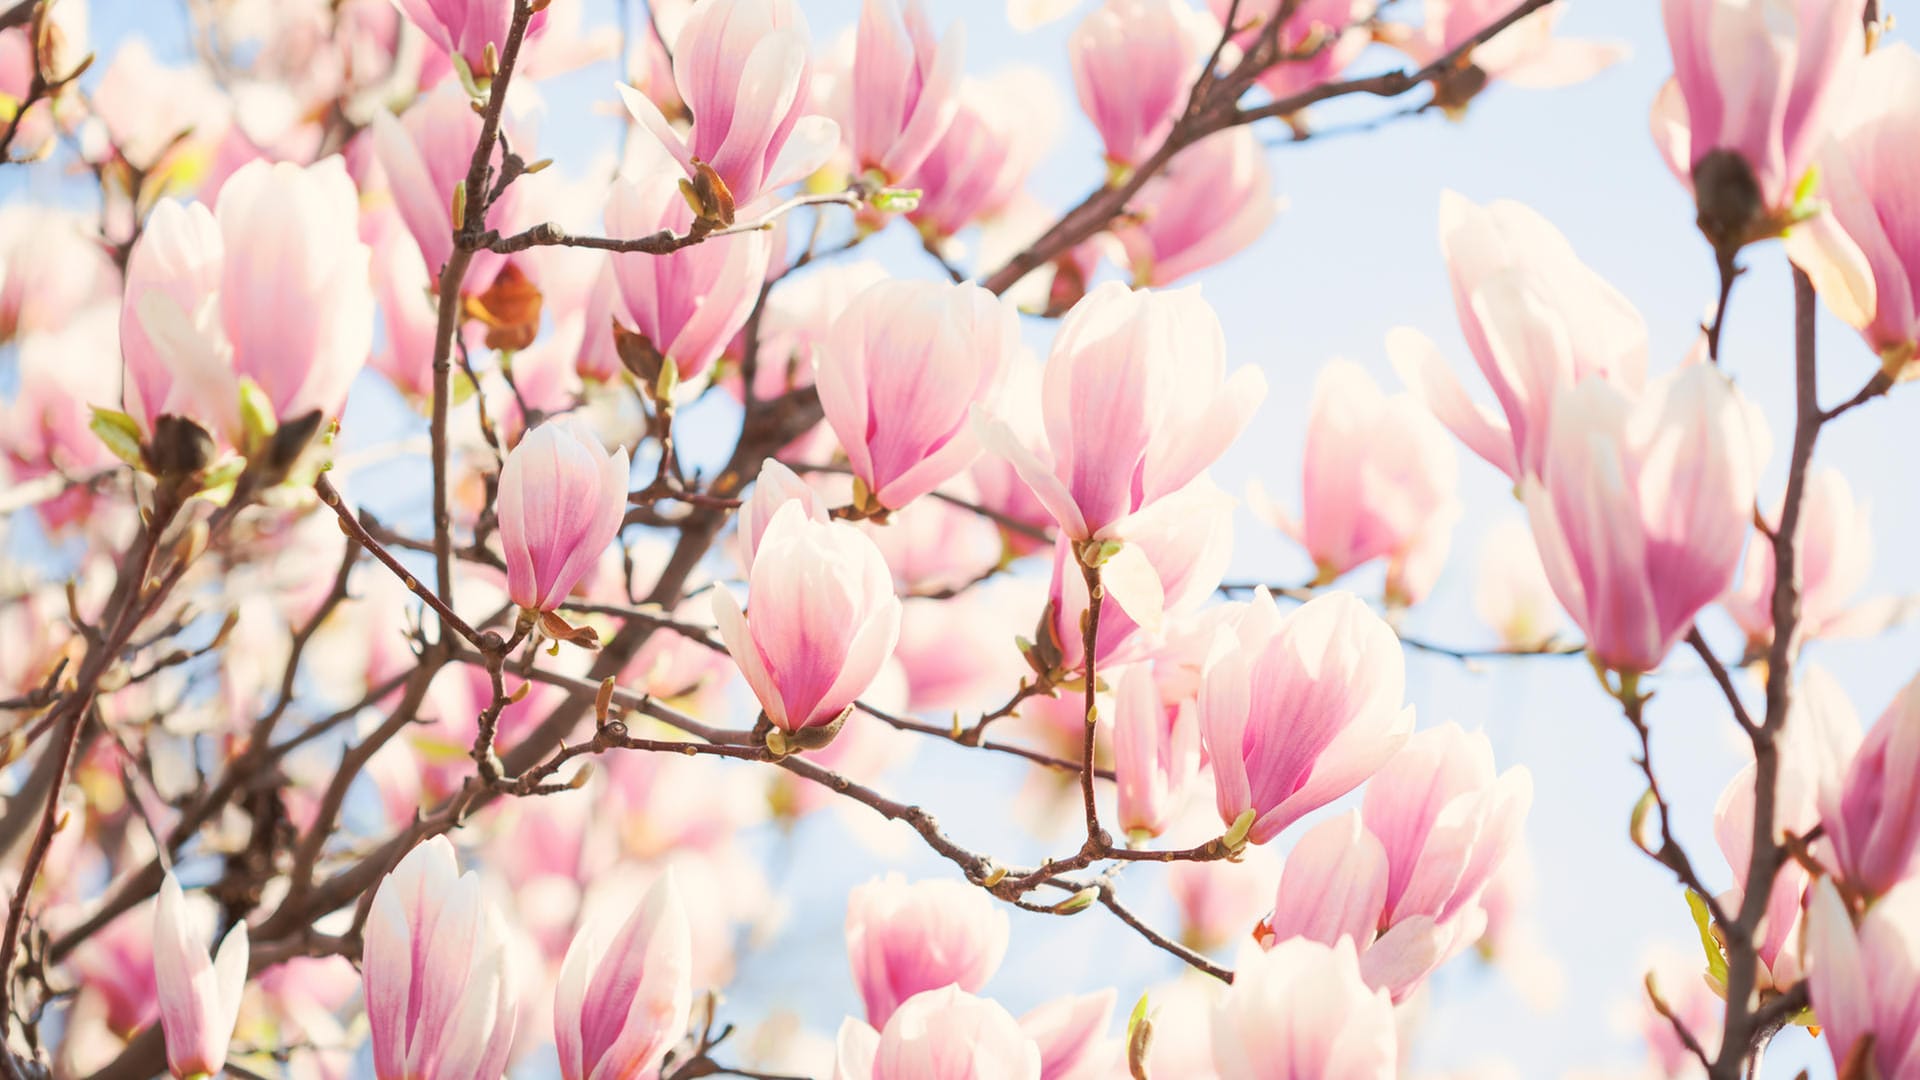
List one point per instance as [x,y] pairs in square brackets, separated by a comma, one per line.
[120,433]
[1703,922]
[257,419]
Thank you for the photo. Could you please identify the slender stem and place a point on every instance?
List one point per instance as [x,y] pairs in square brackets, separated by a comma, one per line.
[1090,641]
[1730,271]
[353,528]
[1738,1038]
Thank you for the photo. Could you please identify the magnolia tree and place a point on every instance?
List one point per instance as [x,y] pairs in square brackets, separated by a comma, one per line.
[696,521]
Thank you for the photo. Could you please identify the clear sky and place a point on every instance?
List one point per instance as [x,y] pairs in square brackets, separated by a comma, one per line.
[1355,254]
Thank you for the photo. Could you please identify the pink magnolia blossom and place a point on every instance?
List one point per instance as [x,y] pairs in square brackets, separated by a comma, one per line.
[743,68]
[1156,752]
[1863,977]
[1380,480]
[1642,507]
[1136,403]
[975,171]
[1220,902]
[905,87]
[51,268]
[425,153]
[1835,556]
[898,373]
[1213,200]
[621,1005]
[1134,63]
[473,30]
[688,304]
[199,995]
[562,498]
[1302,1012]
[825,618]
[1537,320]
[1301,709]
[997,481]
[1445,822]
[942,1034]
[1333,32]
[1526,54]
[1333,886]
[1185,539]
[440,998]
[1511,591]
[776,486]
[1753,81]
[1863,251]
[903,939]
[1872,816]
[272,287]
[408,313]
[1071,1033]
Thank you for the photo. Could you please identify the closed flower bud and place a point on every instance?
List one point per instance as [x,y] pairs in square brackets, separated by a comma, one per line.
[903,939]
[562,498]
[1298,711]
[825,618]
[898,373]
[199,995]
[1642,508]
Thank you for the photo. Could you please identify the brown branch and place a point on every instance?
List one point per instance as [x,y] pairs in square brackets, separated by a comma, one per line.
[351,525]
[666,241]
[1723,677]
[1739,1035]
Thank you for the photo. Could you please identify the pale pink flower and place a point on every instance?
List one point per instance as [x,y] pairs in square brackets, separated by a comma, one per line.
[199,995]
[1872,816]
[408,313]
[942,1034]
[1526,54]
[51,268]
[1134,64]
[1863,979]
[621,1005]
[898,373]
[744,70]
[903,939]
[1536,319]
[688,304]
[999,131]
[1642,507]
[473,30]
[1380,479]
[1302,709]
[1185,539]
[1835,556]
[1333,886]
[1071,1033]
[1747,108]
[825,618]
[272,287]
[1156,752]
[425,153]
[1327,34]
[995,478]
[562,498]
[1511,591]
[1213,200]
[776,486]
[1863,251]
[1220,902]
[1302,1012]
[440,999]
[1445,822]
[905,87]
[1136,401]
